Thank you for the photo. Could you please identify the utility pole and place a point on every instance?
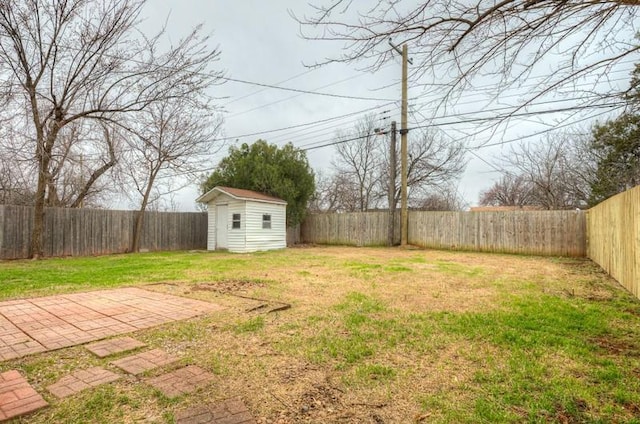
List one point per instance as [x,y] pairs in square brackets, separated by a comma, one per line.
[404,220]
[392,184]
[404,215]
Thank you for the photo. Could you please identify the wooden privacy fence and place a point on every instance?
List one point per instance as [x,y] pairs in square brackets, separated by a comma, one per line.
[558,233]
[83,232]
[614,237]
[352,229]
[293,235]
[552,233]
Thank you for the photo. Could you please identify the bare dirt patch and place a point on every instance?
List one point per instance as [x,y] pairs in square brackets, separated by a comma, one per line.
[237,287]
[230,286]
[616,346]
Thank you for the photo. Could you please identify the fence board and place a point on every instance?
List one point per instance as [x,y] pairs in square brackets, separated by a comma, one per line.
[353,229]
[559,233]
[293,235]
[614,237]
[83,232]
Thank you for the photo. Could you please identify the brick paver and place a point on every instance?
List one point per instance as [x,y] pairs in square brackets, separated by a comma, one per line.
[144,361]
[181,381]
[36,325]
[112,346]
[17,397]
[232,411]
[14,343]
[81,380]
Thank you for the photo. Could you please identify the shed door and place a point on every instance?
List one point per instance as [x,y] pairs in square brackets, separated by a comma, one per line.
[222,227]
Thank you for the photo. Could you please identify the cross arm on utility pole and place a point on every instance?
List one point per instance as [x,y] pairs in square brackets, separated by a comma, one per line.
[399,51]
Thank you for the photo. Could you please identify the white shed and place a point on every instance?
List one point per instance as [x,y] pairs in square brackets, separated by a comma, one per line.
[244,220]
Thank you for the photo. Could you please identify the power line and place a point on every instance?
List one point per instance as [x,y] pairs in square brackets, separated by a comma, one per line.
[264,89]
[296,95]
[310,145]
[441,124]
[241,81]
[209,169]
[326,130]
[307,123]
[297,90]
[531,83]
[513,140]
[421,105]
[330,130]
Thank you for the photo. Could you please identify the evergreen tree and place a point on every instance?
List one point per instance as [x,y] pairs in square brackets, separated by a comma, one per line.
[280,172]
[616,145]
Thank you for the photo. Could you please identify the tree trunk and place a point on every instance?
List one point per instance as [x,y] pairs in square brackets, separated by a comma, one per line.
[77,203]
[43,155]
[35,250]
[135,243]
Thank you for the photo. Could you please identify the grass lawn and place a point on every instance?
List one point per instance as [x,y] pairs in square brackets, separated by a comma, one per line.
[373,335]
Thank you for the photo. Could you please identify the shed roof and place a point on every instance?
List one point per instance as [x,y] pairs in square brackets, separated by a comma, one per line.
[240,194]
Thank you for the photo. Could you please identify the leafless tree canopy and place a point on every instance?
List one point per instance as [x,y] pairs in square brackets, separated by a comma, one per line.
[433,164]
[70,71]
[464,39]
[442,199]
[175,136]
[358,164]
[510,190]
[553,174]
[334,193]
[362,167]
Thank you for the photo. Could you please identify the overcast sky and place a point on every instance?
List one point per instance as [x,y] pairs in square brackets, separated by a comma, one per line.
[260,42]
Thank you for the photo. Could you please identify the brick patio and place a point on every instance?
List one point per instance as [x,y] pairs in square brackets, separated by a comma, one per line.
[112,346]
[37,325]
[181,381]
[231,411]
[145,361]
[81,380]
[17,397]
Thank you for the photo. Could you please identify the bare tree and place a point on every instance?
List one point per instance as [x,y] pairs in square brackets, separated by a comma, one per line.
[358,161]
[510,190]
[86,150]
[467,39]
[14,189]
[64,62]
[16,168]
[327,194]
[172,137]
[346,194]
[445,199]
[363,164]
[557,171]
[433,164]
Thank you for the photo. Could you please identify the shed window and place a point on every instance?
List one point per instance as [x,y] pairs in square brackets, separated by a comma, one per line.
[266,221]
[235,221]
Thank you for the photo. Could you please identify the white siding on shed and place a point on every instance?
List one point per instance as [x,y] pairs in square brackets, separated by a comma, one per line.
[251,236]
[235,238]
[259,238]
[211,226]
